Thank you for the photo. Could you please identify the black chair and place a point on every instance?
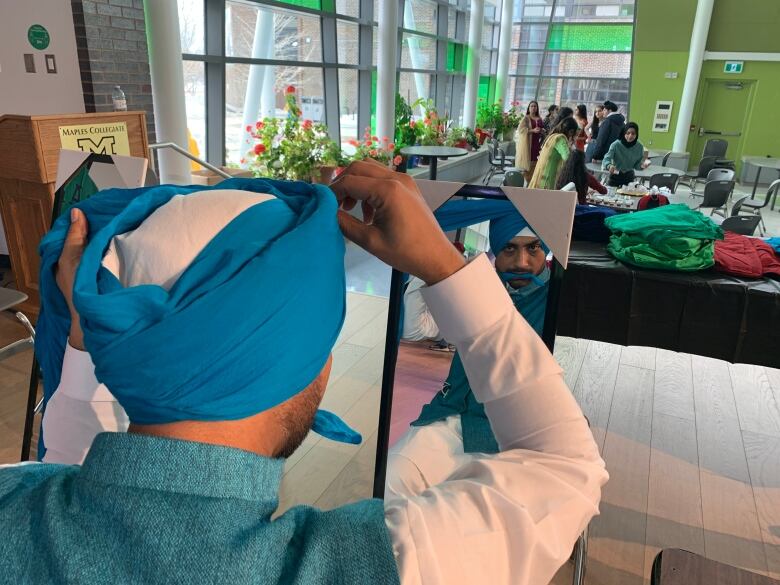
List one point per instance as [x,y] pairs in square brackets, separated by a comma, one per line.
[716,147]
[716,195]
[750,206]
[668,180]
[741,224]
[498,161]
[715,175]
[514,179]
[706,164]
[665,159]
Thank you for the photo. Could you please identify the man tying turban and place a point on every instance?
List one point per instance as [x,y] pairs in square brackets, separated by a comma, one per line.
[187,495]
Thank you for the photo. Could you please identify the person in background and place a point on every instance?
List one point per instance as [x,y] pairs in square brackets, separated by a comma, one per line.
[609,130]
[581,115]
[555,151]
[574,171]
[529,140]
[549,119]
[592,131]
[624,156]
[563,113]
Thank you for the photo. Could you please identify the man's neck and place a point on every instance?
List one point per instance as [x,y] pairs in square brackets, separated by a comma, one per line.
[261,437]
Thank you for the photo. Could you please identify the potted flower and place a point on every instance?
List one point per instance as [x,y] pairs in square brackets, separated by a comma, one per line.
[489,120]
[457,137]
[371,147]
[511,120]
[433,130]
[293,148]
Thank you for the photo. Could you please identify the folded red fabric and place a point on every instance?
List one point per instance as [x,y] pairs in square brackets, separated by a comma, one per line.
[740,255]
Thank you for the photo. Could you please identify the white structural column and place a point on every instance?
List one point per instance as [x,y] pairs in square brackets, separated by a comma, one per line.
[386,67]
[701,28]
[256,83]
[414,51]
[165,66]
[472,63]
[504,48]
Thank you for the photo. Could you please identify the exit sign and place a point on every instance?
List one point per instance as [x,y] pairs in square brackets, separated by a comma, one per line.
[733,67]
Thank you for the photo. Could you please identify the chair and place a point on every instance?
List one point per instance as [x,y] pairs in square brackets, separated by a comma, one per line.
[706,164]
[668,180]
[514,179]
[716,194]
[9,299]
[497,160]
[715,175]
[741,224]
[753,206]
[716,147]
[665,159]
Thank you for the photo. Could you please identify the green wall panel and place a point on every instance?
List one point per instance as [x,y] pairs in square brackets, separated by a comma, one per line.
[745,25]
[648,86]
[664,25]
[590,37]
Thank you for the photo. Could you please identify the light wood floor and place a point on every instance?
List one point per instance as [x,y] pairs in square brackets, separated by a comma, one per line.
[692,445]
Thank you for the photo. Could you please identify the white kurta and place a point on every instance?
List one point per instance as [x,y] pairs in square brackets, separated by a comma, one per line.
[454,518]
[418,321]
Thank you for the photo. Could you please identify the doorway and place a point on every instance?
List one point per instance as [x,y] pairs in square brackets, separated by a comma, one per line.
[723,109]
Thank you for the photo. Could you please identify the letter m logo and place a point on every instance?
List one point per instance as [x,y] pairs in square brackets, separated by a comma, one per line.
[103,146]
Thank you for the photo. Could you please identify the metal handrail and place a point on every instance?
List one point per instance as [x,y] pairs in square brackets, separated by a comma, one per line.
[189,155]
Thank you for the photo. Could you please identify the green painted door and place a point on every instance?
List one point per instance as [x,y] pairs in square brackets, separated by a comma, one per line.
[723,111]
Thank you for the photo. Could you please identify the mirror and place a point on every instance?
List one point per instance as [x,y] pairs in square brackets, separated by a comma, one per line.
[526,234]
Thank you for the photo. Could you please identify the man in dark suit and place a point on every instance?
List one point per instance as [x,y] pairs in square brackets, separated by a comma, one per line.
[609,130]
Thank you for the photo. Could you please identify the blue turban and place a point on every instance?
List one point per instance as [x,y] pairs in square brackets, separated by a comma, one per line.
[235,335]
[505,223]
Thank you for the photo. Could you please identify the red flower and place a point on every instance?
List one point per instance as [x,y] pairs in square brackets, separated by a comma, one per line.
[248,128]
[385,139]
[375,139]
[427,122]
[412,123]
[290,89]
[397,160]
[243,161]
[353,142]
[368,143]
[391,146]
[307,124]
[259,148]
[372,152]
[259,125]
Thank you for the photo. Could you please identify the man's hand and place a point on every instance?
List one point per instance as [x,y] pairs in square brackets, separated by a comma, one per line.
[612,170]
[72,250]
[397,227]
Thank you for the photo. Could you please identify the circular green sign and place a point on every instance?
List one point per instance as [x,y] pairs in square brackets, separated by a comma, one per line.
[38,36]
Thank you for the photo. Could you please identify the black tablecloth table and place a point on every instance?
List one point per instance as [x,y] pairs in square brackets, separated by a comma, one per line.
[704,313]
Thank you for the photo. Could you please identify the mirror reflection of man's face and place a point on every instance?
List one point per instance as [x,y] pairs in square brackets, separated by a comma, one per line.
[521,254]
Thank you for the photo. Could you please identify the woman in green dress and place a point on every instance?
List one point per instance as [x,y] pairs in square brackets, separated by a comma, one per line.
[555,152]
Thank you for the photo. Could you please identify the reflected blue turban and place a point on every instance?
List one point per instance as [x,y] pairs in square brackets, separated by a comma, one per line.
[236,334]
[505,223]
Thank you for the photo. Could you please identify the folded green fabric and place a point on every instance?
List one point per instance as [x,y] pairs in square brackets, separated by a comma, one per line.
[672,237]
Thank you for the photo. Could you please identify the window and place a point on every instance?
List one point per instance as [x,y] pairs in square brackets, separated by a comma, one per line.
[579,54]
[348,44]
[195,100]
[348,104]
[191,13]
[264,33]
[421,15]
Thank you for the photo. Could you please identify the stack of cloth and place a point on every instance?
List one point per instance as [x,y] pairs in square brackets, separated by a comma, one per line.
[672,237]
[589,223]
[743,256]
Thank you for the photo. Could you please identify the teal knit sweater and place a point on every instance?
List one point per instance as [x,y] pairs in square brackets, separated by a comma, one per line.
[625,159]
[151,510]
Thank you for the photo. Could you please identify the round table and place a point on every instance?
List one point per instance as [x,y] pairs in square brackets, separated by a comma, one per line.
[434,153]
[639,174]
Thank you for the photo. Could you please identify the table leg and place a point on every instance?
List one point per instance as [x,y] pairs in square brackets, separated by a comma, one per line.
[433,168]
[755,185]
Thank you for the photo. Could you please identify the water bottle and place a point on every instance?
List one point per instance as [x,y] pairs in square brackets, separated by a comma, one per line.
[118,98]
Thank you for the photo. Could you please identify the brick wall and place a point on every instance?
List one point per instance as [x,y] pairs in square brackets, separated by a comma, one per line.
[111,41]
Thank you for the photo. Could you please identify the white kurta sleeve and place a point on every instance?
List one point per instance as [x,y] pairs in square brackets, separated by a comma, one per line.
[79,409]
[512,517]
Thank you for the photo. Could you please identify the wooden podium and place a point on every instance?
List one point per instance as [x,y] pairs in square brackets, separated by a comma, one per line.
[29,153]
